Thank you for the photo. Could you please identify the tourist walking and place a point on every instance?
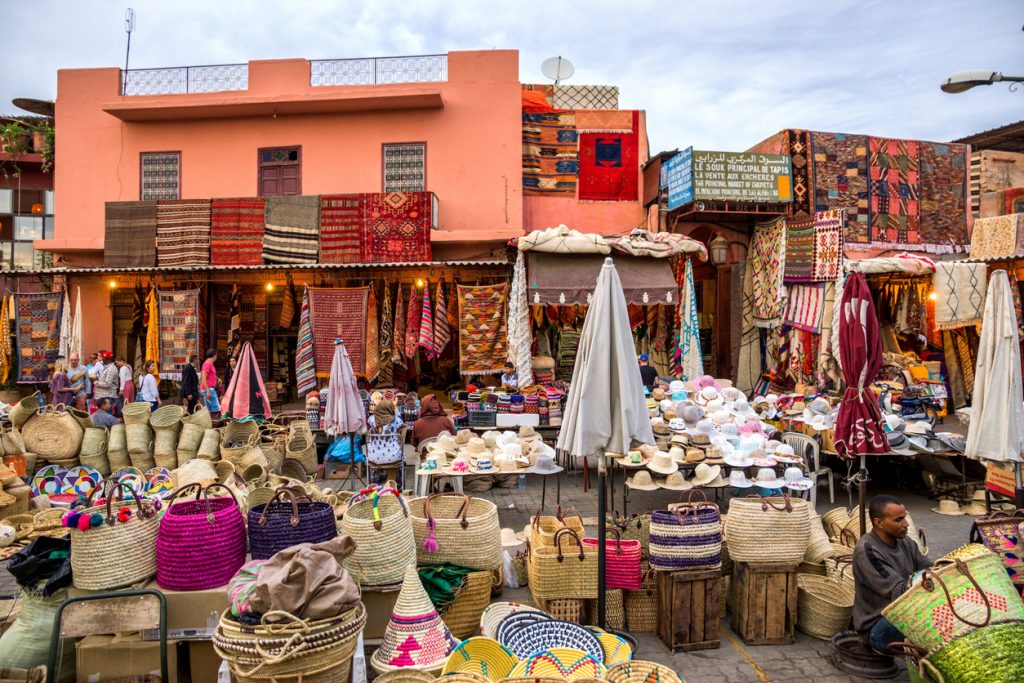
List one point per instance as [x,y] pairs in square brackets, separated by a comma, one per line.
[60,387]
[148,389]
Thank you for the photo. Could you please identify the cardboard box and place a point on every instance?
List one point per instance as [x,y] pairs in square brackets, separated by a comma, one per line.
[191,615]
[102,658]
[203,662]
[379,605]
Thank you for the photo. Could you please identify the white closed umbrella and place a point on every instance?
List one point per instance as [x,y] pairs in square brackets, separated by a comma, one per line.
[344,413]
[75,342]
[606,410]
[65,326]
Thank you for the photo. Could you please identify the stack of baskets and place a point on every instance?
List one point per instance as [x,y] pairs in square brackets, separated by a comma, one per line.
[301,445]
[94,450]
[166,424]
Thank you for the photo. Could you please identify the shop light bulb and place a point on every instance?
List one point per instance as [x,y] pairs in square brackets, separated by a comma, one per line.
[270,287]
[933,296]
[112,284]
[420,283]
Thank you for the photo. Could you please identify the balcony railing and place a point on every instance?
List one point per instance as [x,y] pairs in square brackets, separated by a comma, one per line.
[379,70]
[182,80]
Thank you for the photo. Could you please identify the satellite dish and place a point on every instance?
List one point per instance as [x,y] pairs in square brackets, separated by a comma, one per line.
[557,68]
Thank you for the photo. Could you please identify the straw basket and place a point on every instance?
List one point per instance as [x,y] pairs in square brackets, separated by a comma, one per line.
[565,609]
[404,676]
[772,529]
[614,610]
[239,432]
[1001,533]
[136,413]
[824,606]
[116,553]
[232,449]
[688,537]
[259,495]
[622,561]
[24,409]
[138,438]
[458,529]
[638,671]
[989,654]
[194,472]
[279,524]
[634,528]
[301,446]
[11,441]
[834,520]
[167,417]
[81,417]
[544,527]
[200,417]
[117,439]
[191,437]
[561,572]
[480,658]
[54,436]
[463,615]
[165,445]
[209,447]
[641,606]
[201,542]
[273,448]
[818,546]
[94,441]
[253,456]
[380,525]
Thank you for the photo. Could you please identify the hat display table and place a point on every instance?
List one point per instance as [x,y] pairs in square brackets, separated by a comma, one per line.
[688,609]
[764,602]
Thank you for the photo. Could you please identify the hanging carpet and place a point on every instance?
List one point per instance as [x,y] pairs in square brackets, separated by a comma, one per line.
[412,323]
[959,293]
[804,307]
[236,231]
[179,330]
[767,263]
[130,235]
[828,244]
[341,228]
[482,329]
[609,165]
[997,236]
[397,227]
[799,250]
[183,232]
[293,229]
[339,313]
[37,325]
[305,356]
[550,153]
[372,337]
[426,335]
[442,331]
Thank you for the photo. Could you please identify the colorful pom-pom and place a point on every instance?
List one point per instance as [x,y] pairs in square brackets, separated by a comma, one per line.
[82,522]
[124,514]
[95,520]
[66,519]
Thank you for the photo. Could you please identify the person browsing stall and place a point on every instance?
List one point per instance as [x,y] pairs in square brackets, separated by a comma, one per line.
[60,386]
[108,381]
[78,376]
[885,565]
[433,421]
[648,374]
[510,378]
[149,391]
[208,381]
[103,416]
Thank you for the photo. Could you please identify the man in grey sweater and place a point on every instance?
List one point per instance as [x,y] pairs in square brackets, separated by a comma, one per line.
[885,565]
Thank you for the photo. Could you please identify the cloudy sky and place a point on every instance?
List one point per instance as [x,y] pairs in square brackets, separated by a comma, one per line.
[715,74]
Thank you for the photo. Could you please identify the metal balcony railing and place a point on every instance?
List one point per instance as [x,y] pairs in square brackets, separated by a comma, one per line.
[379,70]
[181,80]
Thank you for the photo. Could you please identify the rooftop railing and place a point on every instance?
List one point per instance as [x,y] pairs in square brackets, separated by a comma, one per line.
[182,80]
[379,70]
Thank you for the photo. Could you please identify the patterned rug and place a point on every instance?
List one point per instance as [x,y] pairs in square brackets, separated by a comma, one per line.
[767,259]
[604,120]
[426,335]
[959,293]
[305,357]
[997,236]
[840,176]
[183,232]
[609,165]
[179,330]
[338,313]
[894,171]
[568,343]
[236,233]
[398,335]
[550,153]
[442,330]
[800,250]
[943,193]
[293,230]
[397,227]
[130,235]
[413,310]
[800,153]
[804,307]
[828,243]
[372,337]
[482,329]
[341,228]
[37,325]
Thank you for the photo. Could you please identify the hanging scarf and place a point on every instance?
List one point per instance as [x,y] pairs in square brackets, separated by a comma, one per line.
[412,324]
[442,331]
[426,336]
[518,325]
[139,312]
[398,339]
[5,342]
[305,357]
[234,328]
[690,359]
[153,333]
[387,325]
[288,305]
[372,337]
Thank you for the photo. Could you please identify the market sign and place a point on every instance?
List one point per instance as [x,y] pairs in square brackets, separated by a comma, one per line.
[727,176]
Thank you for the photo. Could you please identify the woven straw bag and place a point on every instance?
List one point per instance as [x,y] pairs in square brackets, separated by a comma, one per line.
[834,520]
[379,523]
[117,439]
[201,542]
[818,546]
[209,447]
[253,456]
[642,606]
[191,437]
[165,446]
[115,553]
[167,417]
[614,609]
[94,441]
[302,447]
[687,536]
[11,441]
[1001,533]
[622,561]
[561,572]
[239,432]
[54,436]
[773,529]
[639,671]
[280,524]
[273,448]
[463,615]
[988,654]
[824,606]
[458,529]
[636,527]
[544,527]
[81,417]
[136,413]
[24,409]
[200,417]
[194,472]
[138,438]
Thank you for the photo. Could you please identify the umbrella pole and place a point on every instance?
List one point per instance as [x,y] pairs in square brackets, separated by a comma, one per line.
[1019,492]
[602,511]
[862,493]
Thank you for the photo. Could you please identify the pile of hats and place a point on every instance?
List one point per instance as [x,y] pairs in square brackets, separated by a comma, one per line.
[491,453]
[918,438]
[665,468]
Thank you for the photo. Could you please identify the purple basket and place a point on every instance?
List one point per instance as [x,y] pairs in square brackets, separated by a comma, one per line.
[278,524]
[688,539]
[200,543]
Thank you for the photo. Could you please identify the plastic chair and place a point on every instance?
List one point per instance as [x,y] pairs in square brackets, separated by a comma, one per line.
[92,619]
[417,458]
[807,447]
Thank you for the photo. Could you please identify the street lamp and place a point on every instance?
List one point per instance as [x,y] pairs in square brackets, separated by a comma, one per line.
[719,248]
[962,81]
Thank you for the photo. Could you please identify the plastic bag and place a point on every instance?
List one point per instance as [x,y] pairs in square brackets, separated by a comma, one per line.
[43,560]
[510,572]
[341,449]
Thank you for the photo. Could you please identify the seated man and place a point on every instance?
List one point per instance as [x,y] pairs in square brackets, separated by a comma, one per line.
[885,562]
[103,417]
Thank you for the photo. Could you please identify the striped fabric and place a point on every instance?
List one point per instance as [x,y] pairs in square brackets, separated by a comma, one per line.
[292,231]
[183,232]
[130,237]
[305,359]
[426,336]
[341,228]
[442,331]
[398,337]
[412,324]
[804,307]
[372,337]
[236,231]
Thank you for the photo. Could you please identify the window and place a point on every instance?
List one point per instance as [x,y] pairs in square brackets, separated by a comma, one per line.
[280,171]
[160,175]
[25,216]
[405,167]
[6,201]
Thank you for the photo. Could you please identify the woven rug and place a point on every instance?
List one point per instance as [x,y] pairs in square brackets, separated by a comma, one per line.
[800,250]
[804,307]
[386,327]
[800,153]
[767,260]
[828,243]
[305,357]
[179,330]
[398,334]
[183,232]
[996,236]
[37,325]
[550,153]
[341,228]
[609,165]
[292,233]
[442,330]
[894,171]
[840,177]
[483,345]
[943,193]
[604,120]
[339,313]
[959,293]
[372,337]
[397,227]
[130,235]
[236,231]
[568,343]
[426,335]
[413,309]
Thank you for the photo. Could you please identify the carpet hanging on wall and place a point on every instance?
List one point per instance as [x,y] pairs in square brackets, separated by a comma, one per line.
[179,330]
[610,165]
[339,313]
[37,324]
[550,153]
[183,232]
[341,228]
[130,235]
[236,231]
[292,231]
[305,356]
[482,329]
[397,227]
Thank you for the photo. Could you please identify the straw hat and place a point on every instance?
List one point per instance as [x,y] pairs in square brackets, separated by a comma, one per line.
[475,448]
[948,506]
[738,479]
[717,482]
[680,439]
[545,465]
[511,542]
[660,429]
[713,456]
[662,463]
[527,433]
[704,473]
[460,465]
[484,465]
[633,459]
[700,439]
[668,413]
[641,481]
[445,443]
[706,395]
[694,456]
[432,464]
[976,507]
[678,454]
[659,394]
[732,395]
[415,637]
[463,437]
[507,466]
[674,482]
[738,459]
[796,481]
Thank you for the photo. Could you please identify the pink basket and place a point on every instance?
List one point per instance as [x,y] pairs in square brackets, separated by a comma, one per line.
[622,561]
[201,542]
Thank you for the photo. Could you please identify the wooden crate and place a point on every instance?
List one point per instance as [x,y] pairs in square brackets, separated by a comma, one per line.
[688,609]
[765,600]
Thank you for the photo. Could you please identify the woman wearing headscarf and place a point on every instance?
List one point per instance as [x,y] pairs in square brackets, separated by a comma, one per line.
[384,450]
[433,421]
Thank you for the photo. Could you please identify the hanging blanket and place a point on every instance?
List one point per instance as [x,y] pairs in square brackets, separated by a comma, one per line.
[293,229]
[130,235]
[799,250]
[996,236]
[372,338]
[386,327]
[412,323]
[829,227]
[442,331]
[568,343]
[341,228]
[305,357]
[37,321]
[482,329]
[397,227]
[959,294]
[604,120]
[690,359]
[550,153]
[767,262]
[398,338]
[339,313]
[426,336]
[179,330]
[183,232]
[236,231]
[804,307]
[609,165]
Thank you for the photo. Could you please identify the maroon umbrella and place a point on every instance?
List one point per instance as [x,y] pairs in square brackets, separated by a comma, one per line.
[246,395]
[858,429]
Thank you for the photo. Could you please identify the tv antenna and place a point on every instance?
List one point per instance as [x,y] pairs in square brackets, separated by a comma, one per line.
[557,68]
[129,26]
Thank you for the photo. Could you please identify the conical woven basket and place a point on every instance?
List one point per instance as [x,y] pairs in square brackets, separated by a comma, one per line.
[167,417]
[415,637]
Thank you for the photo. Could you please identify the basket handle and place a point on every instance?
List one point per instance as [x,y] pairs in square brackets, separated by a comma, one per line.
[618,521]
[104,489]
[206,495]
[562,514]
[975,535]
[766,502]
[463,511]
[188,487]
[904,649]
[558,543]
[924,540]
[845,561]
[283,492]
[929,577]
[843,533]
[689,496]
[378,524]
[143,511]
[693,510]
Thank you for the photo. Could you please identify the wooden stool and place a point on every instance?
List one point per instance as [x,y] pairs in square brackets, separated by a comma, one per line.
[765,600]
[688,609]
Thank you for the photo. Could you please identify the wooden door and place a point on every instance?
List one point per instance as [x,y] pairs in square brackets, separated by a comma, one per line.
[280,171]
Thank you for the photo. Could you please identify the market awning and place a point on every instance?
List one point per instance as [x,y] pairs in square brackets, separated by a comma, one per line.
[570,278]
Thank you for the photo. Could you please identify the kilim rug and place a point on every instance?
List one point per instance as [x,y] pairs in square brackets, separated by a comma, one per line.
[943,193]
[398,336]
[800,250]
[130,235]
[800,153]
[604,120]
[426,336]
[959,293]
[397,227]
[840,176]
[372,337]
[339,313]
[609,165]
[804,306]
[482,329]
[893,168]
[183,232]
[179,330]
[767,262]
[550,153]
[386,328]
[568,343]
[995,237]
[293,230]
[412,323]
[236,233]
[37,325]
[341,228]
[442,330]
[828,243]
[305,357]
